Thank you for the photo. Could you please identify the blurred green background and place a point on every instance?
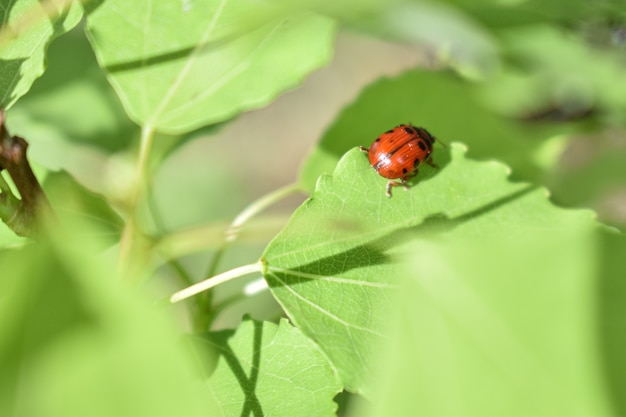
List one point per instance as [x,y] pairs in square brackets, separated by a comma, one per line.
[537,85]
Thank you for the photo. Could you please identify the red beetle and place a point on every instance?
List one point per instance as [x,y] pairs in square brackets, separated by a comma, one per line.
[397,154]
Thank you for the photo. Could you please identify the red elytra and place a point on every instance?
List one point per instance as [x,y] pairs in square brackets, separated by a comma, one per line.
[397,154]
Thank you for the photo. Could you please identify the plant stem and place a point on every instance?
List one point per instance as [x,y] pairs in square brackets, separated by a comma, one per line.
[27,212]
[250,211]
[258,206]
[207,313]
[130,232]
[216,280]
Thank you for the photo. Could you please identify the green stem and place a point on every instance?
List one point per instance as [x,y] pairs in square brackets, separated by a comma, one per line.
[130,232]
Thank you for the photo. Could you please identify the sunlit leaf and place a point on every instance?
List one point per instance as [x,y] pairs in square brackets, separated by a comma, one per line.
[178,66]
[265,369]
[517,323]
[334,267]
[28,27]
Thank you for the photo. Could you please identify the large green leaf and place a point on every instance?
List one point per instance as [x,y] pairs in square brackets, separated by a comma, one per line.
[510,324]
[178,66]
[269,369]
[333,267]
[22,56]
[76,341]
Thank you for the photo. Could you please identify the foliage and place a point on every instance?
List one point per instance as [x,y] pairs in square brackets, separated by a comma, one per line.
[475,292]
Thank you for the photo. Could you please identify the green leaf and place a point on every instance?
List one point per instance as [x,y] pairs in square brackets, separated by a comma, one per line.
[268,369]
[75,340]
[28,29]
[449,107]
[500,14]
[8,238]
[333,268]
[538,74]
[511,322]
[178,66]
[186,185]
[453,37]
[70,200]
[71,108]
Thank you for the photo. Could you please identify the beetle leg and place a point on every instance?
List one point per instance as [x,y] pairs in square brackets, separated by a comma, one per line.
[390,184]
[430,162]
[403,182]
[409,176]
[364,149]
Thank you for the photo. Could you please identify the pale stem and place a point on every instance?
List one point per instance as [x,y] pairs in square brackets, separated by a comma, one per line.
[250,211]
[258,206]
[209,283]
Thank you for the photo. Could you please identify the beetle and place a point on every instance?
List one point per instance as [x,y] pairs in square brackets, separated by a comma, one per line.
[398,153]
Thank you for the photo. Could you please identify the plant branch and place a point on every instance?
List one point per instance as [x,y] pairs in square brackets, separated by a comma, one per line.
[130,232]
[22,215]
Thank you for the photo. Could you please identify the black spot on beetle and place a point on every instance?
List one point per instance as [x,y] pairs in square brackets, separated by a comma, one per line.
[416,163]
[405,171]
[409,130]
[389,131]
[422,145]
[430,139]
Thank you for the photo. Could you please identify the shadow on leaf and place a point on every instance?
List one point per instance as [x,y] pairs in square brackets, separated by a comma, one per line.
[220,348]
[377,251]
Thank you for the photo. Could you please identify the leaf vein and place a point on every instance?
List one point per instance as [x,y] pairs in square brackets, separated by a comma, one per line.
[324,311]
[341,280]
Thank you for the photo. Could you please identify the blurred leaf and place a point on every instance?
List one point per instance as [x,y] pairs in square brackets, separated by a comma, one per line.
[268,369]
[178,66]
[72,201]
[75,341]
[450,108]
[455,38]
[610,267]
[512,13]
[189,186]
[539,75]
[27,30]
[71,118]
[510,323]
[8,238]
[332,268]
[72,103]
